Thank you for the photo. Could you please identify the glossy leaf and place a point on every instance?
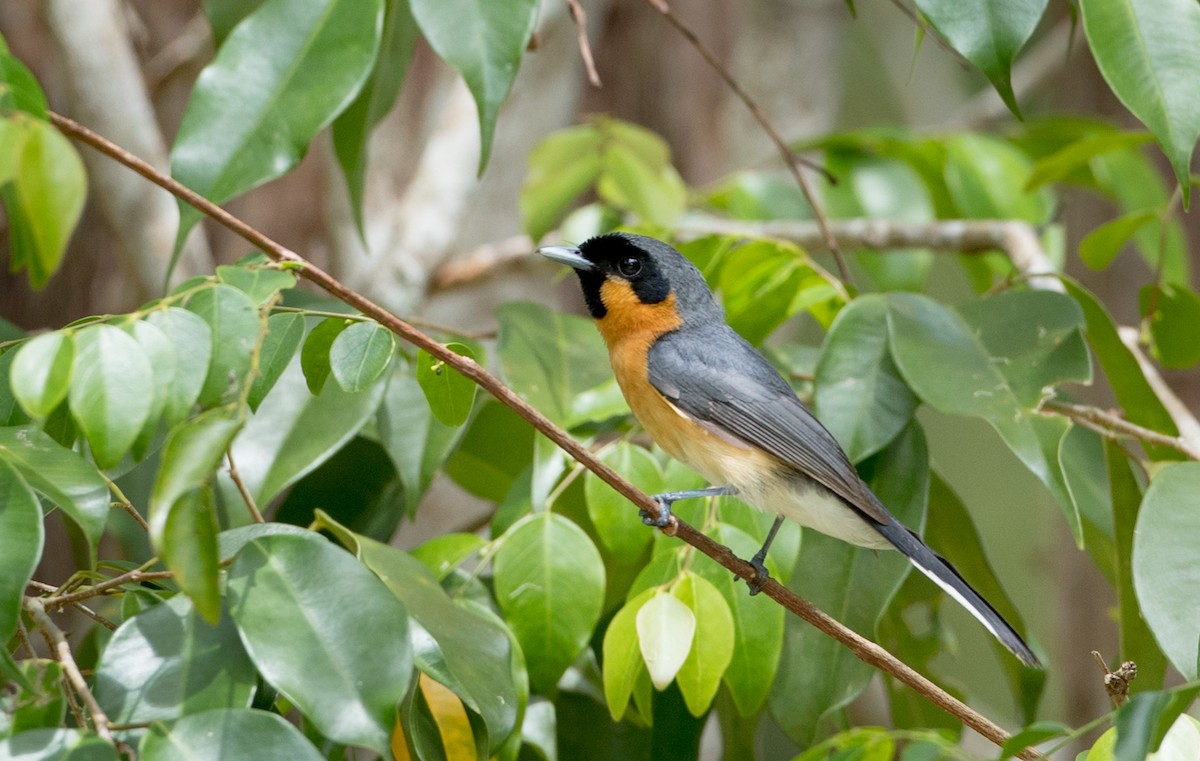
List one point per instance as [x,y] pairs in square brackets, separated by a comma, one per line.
[1172,313]
[1144,721]
[45,197]
[309,58]
[622,655]
[346,667]
[41,372]
[11,413]
[1146,53]
[450,395]
[988,33]
[1064,164]
[259,282]
[665,627]
[36,700]
[162,358]
[233,319]
[549,357]
[713,643]
[224,15]
[496,448]
[359,355]
[285,331]
[60,475]
[761,285]
[442,554]
[112,391]
[168,662]
[21,538]
[57,745]
[484,41]
[859,394]
[193,342]
[817,675]
[617,522]
[1168,585]
[1031,735]
[986,177]
[561,167]
[416,441]
[19,89]
[352,128]
[314,357]
[293,432]
[231,541]
[227,733]
[1099,247]
[549,582]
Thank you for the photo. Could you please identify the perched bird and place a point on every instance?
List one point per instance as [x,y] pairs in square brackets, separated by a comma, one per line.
[711,400]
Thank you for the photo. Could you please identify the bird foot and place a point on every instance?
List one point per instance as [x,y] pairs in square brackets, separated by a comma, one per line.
[761,576]
[660,518]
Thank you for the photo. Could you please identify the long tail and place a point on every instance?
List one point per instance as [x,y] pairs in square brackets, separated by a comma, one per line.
[940,572]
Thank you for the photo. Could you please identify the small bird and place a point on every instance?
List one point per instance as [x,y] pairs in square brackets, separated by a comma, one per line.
[712,401]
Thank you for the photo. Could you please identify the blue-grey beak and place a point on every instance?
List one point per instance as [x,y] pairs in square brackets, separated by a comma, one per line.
[568,255]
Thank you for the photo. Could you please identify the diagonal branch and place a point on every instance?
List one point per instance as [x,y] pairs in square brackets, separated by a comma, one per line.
[863,648]
[61,650]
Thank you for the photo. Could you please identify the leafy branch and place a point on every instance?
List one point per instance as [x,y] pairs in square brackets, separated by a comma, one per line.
[864,649]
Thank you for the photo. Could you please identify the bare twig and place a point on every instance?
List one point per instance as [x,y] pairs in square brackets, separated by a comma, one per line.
[481,261]
[57,641]
[124,503]
[1114,426]
[790,158]
[85,610]
[247,497]
[132,577]
[1116,683]
[864,649]
[585,48]
[1185,421]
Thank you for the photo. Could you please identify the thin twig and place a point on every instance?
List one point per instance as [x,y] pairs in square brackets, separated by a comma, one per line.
[62,653]
[1116,427]
[247,497]
[124,503]
[132,577]
[792,161]
[864,649]
[585,48]
[85,610]
[23,635]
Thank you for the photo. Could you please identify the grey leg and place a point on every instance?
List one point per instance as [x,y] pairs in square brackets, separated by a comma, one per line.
[759,557]
[668,498]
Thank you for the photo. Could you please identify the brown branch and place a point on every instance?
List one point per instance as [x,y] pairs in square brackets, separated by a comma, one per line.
[132,577]
[247,497]
[61,649]
[790,159]
[1116,427]
[864,649]
[585,48]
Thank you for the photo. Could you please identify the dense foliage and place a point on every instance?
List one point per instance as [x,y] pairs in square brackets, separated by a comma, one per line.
[565,628]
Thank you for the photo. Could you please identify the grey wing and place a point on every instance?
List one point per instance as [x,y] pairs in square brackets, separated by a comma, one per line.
[714,375]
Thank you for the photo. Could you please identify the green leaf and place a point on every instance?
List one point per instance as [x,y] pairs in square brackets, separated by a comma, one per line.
[168,662]
[224,15]
[665,627]
[1172,323]
[859,394]
[417,442]
[1167,583]
[1146,53]
[259,282]
[193,342]
[162,358]
[561,167]
[468,653]
[43,200]
[617,523]
[1065,162]
[712,646]
[233,319]
[10,410]
[19,89]
[988,33]
[314,357]
[112,391]
[548,357]
[484,41]
[41,372]
[442,554]
[352,129]
[1133,392]
[359,355]
[450,395]
[21,538]
[285,331]
[1099,247]
[1035,733]
[293,432]
[761,283]
[60,475]
[183,521]
[757,629]
[643,182]
[309,57]
[1142,723]
[622,656]
[36,700]
[227,733]
[986,178]
[345,666]
[817,675]
[549,581]
[57,745]
[496,448]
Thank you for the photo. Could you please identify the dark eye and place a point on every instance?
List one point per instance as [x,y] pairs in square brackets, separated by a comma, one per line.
[629,266]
